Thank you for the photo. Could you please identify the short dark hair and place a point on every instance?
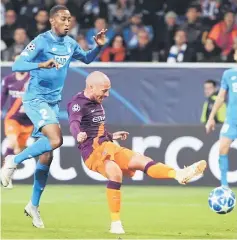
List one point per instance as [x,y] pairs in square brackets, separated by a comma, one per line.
[213,82]
[55,9]
[194,6]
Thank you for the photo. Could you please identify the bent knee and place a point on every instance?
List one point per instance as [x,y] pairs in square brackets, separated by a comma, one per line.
[117,177]
[113,171]
[224,150]
[56,142]
[224,146]
[138,162]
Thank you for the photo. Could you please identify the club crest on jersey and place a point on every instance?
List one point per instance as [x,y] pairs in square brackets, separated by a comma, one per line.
[30,47]
[61,60]
[76,108]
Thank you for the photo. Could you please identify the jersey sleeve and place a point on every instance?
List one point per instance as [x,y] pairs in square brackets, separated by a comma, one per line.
[224,84]
[4,92]
[25,61]
[85,56]
[75,114]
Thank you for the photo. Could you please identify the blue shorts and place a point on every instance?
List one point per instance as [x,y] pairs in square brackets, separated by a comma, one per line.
[41,113]
[229,130]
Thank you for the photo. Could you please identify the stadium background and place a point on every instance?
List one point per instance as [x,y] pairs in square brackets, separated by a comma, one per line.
[156,95]
[158,103]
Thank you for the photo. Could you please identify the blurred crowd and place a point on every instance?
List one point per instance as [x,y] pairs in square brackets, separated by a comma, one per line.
[138,30]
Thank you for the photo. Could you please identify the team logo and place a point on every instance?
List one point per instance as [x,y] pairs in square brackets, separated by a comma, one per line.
[61,60]
[76,108]
[233,78]
[54,49]
[30,47]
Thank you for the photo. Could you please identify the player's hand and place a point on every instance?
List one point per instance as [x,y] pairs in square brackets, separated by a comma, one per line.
[81,137]
[210,125]
[100,38]
[51,63]
[120,135]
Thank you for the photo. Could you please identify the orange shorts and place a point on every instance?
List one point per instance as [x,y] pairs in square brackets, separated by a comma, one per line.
[12,127]
[113,152]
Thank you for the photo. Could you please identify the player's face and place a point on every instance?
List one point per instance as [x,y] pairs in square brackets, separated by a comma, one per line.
[61,22]
[209,89]
[100,92]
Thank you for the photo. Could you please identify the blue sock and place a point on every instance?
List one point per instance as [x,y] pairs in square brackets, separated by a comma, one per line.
[224,167]
[37,148]
[40,179]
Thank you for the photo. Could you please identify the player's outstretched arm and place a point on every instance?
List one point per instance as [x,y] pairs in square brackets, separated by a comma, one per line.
[75,114]
[25,62]
[89,56]
[210,126]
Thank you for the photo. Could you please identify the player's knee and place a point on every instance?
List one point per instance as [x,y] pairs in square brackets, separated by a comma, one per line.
[224,146]
[224,150]
[138,162]
[113,171]
[56,142]
[117,176]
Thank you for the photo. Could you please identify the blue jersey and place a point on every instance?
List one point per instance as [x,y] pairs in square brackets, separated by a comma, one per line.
[229,83]
[47,84]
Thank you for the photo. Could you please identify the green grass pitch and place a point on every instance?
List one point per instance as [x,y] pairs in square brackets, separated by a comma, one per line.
[80,212]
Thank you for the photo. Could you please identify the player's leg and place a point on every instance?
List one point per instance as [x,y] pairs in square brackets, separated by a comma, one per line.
[11,146]
[130,161]
[227,134]
[223,159]
[41,176]
[163,171]
[46,126]
[115,176]
[12,131]
[11,149]
[40,179]
[104,164]
[50,140]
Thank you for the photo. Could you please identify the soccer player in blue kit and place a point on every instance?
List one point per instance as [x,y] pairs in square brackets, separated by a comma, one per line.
[228,131]
[47,58]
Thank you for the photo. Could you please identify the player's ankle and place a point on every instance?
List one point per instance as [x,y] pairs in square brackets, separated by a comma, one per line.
[115,216]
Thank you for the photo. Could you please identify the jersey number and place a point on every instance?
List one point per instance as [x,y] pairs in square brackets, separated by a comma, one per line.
[44,114]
